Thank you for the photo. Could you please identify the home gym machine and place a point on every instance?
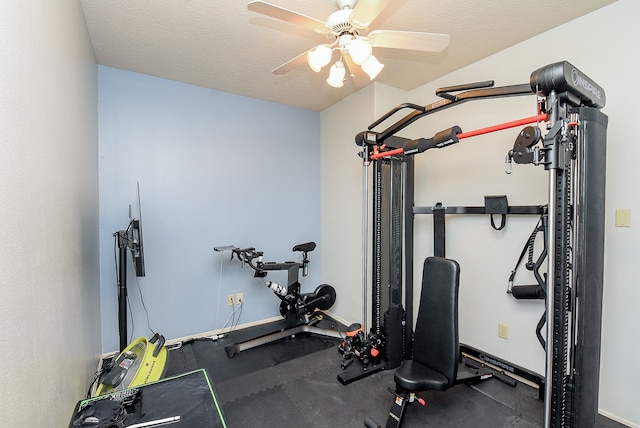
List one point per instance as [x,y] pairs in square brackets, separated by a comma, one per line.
[573,151]
[297,308]
[393,213]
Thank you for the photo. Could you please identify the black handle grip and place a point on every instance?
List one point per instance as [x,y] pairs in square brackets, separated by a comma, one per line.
[473,364]
[441,139]
[447,137]
[505,379]
[159,346]
[370,423]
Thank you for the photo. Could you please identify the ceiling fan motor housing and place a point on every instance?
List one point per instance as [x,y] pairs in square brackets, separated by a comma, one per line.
[339,22]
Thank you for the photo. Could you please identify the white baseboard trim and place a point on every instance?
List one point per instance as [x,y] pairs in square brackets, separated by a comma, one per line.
[218,334]
[338,318]
[618,419]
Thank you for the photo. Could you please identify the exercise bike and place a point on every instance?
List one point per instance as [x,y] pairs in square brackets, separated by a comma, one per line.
[297,308]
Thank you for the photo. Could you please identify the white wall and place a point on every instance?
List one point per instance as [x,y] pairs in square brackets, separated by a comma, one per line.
[600,44]
[50,316]
[341,204]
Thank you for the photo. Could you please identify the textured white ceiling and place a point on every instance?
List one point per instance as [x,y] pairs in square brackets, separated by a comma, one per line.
[220,44]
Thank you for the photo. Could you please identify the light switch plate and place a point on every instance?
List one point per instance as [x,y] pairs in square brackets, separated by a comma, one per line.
[623,217]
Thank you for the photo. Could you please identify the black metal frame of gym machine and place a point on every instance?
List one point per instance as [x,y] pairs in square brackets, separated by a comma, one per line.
[574,153]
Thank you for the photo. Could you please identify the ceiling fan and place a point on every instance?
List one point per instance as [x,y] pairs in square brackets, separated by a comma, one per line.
[347,33]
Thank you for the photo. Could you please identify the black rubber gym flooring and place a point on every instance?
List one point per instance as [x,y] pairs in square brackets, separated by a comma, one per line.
[293,383]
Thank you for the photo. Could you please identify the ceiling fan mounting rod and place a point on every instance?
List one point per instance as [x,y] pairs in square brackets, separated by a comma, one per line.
[346,4]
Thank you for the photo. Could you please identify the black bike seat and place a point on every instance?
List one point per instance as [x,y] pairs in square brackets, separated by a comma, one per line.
[306,247]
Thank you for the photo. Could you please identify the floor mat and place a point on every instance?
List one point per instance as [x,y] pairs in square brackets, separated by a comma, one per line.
[181,360]
[212,356]
[302,392]
[305,392]
[293,383]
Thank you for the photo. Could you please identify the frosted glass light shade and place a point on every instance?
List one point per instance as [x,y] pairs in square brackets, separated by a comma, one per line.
[372,67]
[336,75]
[359,50]
[319,57]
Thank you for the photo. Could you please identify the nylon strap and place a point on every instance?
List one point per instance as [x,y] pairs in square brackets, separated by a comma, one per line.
[438,230]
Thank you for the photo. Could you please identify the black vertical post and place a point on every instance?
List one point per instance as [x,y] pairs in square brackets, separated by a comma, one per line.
[558,163]
[590,263]
[122,288]
[293,317]
[409,217]
[560,293]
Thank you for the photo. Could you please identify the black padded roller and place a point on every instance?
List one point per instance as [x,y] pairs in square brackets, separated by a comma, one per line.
[527,292]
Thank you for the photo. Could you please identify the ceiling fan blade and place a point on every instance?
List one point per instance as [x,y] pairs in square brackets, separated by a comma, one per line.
[366,11]
[291,64]
[428,42]
[287,15]
[357,75]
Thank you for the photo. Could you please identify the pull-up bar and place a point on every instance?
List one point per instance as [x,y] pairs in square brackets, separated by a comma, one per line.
[454,135]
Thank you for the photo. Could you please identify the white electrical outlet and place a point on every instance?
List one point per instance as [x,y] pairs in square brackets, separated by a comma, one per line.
[230,300]
[503,331]
[239,298]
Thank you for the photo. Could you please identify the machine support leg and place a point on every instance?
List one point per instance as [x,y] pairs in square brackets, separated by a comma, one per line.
[122,292]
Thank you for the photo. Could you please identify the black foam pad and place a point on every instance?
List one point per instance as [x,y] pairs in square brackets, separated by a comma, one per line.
[436,341]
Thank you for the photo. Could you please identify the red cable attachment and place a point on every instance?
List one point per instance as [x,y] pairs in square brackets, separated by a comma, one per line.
[388,153]
[506,125]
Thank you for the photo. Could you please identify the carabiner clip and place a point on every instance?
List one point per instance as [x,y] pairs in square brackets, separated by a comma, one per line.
[508,166]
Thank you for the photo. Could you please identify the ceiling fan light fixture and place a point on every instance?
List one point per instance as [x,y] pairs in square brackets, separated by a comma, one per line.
[343,28]
[318,57]
[372,67]
[359,50]
[336,75]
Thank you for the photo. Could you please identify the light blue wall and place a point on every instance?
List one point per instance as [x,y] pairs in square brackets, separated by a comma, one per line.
[214,169]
